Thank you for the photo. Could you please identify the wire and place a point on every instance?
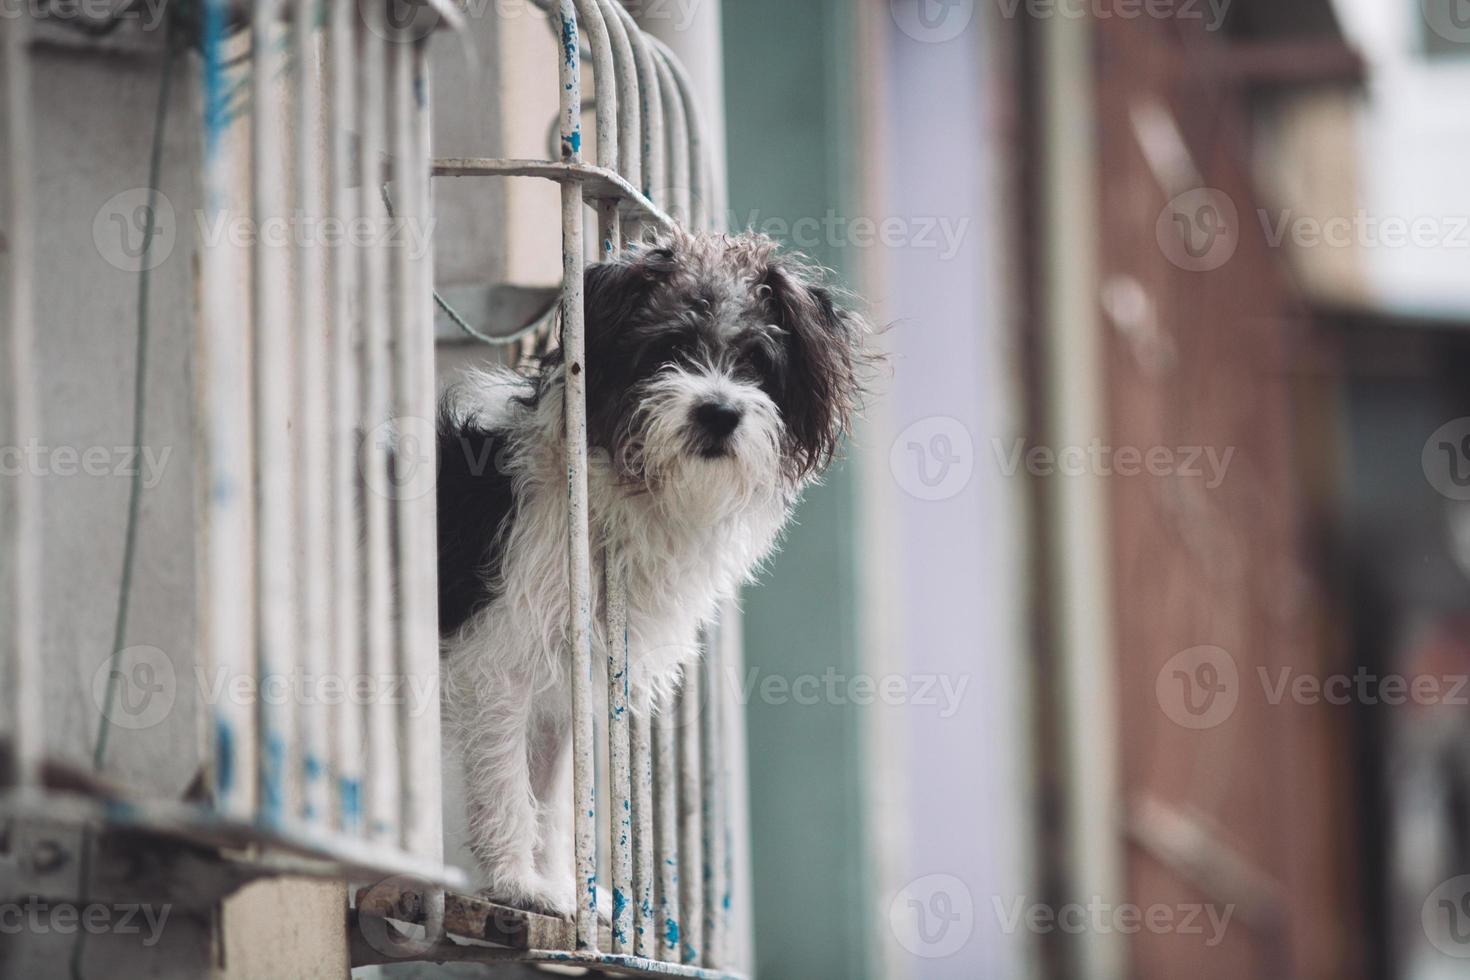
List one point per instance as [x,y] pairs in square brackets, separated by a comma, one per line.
[541,324]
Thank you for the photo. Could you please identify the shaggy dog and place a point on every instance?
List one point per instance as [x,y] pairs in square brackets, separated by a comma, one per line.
[721,376]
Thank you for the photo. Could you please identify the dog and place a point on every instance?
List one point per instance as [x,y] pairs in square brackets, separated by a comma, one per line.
[722,376]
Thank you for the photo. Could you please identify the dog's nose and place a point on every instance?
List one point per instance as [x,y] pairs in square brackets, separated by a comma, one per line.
[719,419]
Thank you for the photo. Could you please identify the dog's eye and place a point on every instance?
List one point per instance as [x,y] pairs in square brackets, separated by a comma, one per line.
[664,350]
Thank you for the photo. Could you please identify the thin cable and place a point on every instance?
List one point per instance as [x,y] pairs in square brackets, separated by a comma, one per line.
[140,389]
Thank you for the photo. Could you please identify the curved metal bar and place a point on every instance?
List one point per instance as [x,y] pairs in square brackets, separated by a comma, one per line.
[590,15]
[630,125]
[651,104]
[677,142]
[701,167]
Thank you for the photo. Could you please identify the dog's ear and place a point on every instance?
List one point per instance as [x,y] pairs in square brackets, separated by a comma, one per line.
[613,291]
[820,386]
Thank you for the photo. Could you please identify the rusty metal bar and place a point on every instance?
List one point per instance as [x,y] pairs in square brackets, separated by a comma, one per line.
[584,793]
[676,143]
[625,69]
[645,924]
[666,830]
[701,177]
[691,820]
[714,799]
[650,103]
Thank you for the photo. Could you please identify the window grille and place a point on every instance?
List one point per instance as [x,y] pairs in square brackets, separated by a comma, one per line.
[314,383]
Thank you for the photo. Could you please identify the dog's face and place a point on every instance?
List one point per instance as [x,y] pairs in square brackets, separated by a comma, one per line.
[718,370]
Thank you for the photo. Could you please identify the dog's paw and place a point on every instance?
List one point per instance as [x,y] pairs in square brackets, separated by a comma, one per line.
[534,894]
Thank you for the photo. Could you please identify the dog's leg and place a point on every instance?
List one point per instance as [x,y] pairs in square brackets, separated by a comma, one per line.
[493,717]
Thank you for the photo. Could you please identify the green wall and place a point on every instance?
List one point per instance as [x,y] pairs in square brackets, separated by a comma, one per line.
[789,90]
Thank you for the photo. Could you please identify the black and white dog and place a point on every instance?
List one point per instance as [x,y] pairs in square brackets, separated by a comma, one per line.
[721,376]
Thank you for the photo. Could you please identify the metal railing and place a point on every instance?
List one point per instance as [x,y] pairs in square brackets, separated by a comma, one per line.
[314,369]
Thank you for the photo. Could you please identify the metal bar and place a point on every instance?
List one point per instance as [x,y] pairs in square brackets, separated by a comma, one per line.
[714,800]
[423,819]
[311,407]
[347,496]
[619,753]
[666,832]
[625,68]
[579,629]
[620,824]
[676,145]
[273,375]
[691,820]
[227,623]
[650,103]
[645,926]
[382,769]
[700,166]
[27,740]
[592,23]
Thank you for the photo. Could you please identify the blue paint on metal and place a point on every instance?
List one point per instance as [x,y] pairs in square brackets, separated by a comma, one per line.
[671,933]
[224,756]
[273,780]
[620,906]
[349,794]
[216,96]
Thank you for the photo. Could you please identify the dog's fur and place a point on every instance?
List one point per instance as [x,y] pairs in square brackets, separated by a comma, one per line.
[679,323]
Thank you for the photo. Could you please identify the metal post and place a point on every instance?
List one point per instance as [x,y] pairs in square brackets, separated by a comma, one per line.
[651,104]
[666,831]
[579,630]
[25,551]
[424,823]
[691,819]
[347,634]
[382,718]
[645,925]
[273,373]
[700,166]
[311,419]
[677,147]
[714,800]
